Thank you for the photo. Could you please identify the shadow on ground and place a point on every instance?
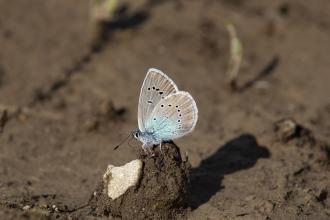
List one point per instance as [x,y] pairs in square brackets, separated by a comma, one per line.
[238,154]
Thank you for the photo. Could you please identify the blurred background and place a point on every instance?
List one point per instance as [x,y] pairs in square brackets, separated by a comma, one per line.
[70,76]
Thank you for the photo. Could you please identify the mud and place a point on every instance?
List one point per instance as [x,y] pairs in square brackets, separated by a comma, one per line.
[161,193]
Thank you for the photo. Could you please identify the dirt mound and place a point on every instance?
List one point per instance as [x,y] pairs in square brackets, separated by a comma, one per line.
[160,194]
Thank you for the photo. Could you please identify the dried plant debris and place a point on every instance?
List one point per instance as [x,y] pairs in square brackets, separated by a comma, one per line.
[160,194]
[236,55]
[103,10]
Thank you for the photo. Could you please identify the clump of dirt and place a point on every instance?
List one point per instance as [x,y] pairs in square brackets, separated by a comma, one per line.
[288,131]
[160,194]
[103,115]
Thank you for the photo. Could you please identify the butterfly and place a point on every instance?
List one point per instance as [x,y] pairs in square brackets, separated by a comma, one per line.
[164,112]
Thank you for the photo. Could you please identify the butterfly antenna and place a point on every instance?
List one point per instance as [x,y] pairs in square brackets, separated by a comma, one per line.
[129,142]
[123,141]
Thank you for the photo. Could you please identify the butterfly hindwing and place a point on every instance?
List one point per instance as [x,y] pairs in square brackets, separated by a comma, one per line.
[156,86]
[173,117]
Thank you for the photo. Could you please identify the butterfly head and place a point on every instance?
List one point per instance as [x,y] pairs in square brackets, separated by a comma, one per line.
[147,138]
[137,134]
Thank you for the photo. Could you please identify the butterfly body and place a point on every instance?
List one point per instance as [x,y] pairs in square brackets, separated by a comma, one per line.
[164,112]
[148,138]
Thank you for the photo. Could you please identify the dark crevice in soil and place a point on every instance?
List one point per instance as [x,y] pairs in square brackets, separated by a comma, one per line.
[238,154]
[103,33]
[42,95]
[266,71]
[3,120]
[2,75]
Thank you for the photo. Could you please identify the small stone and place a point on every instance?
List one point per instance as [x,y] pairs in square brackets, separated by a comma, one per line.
[266,207]
[39,212]
[250,198]
[27,207]
[43,205]
[119,179]
[308,198]
[55,208]
[91,125]
[286,129]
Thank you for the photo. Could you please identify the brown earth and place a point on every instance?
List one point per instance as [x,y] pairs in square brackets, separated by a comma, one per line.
[68,101]
[163,188]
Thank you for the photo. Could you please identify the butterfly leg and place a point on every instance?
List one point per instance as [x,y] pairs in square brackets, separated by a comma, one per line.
[160,148]
[145,148]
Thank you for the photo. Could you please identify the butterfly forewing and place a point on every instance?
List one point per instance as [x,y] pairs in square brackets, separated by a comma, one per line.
[156,86]
[173,117]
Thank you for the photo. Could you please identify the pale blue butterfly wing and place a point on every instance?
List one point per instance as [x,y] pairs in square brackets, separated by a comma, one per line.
[156,86]
[173,117]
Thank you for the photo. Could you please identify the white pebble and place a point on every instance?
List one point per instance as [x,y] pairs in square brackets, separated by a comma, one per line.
[27,207]
[119,179]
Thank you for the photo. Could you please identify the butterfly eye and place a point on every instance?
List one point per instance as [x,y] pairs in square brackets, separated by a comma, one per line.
[136,134]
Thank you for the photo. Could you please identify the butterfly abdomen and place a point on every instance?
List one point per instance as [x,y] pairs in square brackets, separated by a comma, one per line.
[148,139]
